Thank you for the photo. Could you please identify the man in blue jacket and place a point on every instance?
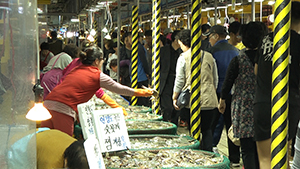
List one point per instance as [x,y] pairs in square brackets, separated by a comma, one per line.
[223,52]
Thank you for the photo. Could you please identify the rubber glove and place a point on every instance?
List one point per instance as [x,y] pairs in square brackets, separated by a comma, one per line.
[145,92]
[113,104]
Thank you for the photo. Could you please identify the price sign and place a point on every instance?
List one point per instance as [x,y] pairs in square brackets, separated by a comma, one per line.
[111,129]
[85,111]
[93,153]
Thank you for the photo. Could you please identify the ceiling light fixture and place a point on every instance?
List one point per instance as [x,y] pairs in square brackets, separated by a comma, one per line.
[271,2]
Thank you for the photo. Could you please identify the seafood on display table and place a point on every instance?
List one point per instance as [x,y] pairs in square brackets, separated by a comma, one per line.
[160,142]
[161,158]
[142,125]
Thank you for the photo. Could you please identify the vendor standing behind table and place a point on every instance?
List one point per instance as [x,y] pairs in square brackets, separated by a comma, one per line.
[100,93]
[78,87]
[54,149]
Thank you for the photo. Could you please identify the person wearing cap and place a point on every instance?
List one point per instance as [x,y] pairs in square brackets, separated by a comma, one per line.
[223,52]
[205,45]
[235,40]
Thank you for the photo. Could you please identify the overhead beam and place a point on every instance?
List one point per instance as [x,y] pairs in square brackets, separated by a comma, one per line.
[57,14]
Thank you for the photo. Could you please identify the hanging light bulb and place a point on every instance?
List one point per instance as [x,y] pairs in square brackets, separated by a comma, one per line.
[90,38]
[271,2]
[93,32]
[38,112]
[107,37]
[105,30]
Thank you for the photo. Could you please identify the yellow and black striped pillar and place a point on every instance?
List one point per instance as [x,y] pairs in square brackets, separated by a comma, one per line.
[195,66]
[134,52]
[280,88]
[155,52]
[95,24]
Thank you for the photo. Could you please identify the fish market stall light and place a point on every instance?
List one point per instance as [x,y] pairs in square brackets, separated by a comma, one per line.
[107,37]
[38,112]
[74,20]
[39,11]
[93,32]
[271,18]
[42,23]
[237,4]
[20,10]
[105,30]
[70,34]
[90,38]
[271,2]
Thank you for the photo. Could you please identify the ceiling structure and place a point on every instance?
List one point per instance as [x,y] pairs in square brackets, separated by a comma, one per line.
[75,7]
[72,8]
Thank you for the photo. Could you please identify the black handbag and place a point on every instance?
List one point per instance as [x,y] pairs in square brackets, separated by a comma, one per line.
[183,98]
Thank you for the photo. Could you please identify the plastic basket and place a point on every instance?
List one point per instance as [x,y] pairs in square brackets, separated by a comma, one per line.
[196,144]
[165,130]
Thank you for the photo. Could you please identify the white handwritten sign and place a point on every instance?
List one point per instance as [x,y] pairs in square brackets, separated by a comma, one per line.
[93,153]
[85,111]
[111,129]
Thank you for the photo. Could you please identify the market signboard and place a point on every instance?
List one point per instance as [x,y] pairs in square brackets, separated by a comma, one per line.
[85,111]
[111,129]
[93,153]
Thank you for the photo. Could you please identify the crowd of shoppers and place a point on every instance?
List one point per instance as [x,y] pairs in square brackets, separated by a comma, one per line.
[236,73]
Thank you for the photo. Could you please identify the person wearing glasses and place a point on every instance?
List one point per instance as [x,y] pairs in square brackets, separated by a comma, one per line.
[223,52]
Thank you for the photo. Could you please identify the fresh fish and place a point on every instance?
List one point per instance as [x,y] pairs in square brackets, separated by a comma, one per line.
[159,142]
[142,125]
[161,158]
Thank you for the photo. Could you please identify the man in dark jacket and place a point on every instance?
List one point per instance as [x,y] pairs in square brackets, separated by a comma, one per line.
[143,70]
[169,55]
[55,45]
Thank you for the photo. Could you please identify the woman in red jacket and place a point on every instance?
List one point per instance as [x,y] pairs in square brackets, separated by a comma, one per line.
[79,87]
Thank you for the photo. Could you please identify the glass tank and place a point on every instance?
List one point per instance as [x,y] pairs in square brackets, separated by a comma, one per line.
[18,58]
